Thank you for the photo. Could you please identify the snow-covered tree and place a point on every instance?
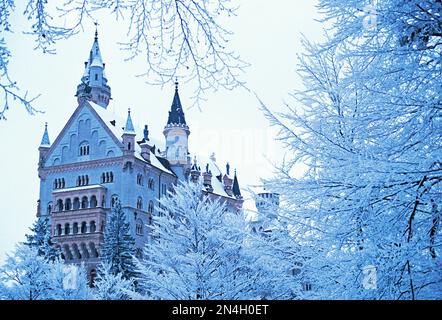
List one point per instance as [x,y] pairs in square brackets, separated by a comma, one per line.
[175,38]
[366,135]
[196,250]
[40,238]
[118,247]
[112,286]
[27,275]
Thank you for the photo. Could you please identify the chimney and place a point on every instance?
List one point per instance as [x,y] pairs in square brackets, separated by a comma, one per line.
[207,179]
[145,151]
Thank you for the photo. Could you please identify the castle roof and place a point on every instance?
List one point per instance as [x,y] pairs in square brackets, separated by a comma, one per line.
[176,113]
[45,139]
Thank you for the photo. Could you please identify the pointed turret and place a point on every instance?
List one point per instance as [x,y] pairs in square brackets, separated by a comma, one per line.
[129,128]
[177,133]
[93,86]
[176,113]
[235,189]
[44,147]
[129,136]
[45,139]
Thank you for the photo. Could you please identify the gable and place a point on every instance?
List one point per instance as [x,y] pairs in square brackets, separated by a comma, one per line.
[85,137]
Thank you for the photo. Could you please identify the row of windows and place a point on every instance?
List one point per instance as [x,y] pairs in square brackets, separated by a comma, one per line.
[75,229]
[82,180]
[68,204]
[150,207]
[107,177]
[59,183]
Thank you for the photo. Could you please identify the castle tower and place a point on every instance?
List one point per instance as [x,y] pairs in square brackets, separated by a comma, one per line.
[93,86]
[177,133]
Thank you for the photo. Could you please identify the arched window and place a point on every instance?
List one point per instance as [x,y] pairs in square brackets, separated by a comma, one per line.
[150,208]
[67,204]
[92,227]
[129,146]
[83,227]
[62,182]
[67,229]
[59,205]
[49,208]
[103,178]
[114,200]
[75,228]
[58,229]
[56,184]
[93,203]
[84,203]
[111,177]
[139,203]
[151,184]
[139,227]
[76,204]
[140,179]
[107,176]
[84,148]
[87,180]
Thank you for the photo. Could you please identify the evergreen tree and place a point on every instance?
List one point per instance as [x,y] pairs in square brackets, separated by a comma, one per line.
[40,238]
[118,247]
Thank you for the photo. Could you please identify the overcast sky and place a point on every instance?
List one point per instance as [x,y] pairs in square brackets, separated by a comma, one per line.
[267,35]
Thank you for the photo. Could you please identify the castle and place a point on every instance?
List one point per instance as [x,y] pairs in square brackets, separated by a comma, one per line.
[95,161]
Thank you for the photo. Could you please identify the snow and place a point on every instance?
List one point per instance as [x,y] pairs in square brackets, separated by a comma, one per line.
[117,130]
[92,186]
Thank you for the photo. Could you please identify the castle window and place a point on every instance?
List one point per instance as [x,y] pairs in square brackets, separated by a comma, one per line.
[59,183]
[58,229]
[114,200]
[151,184]
[139,227]
[140,179]
[83,227]
[67,229]
[307,286]
[67,205]
[82,180]
[150,207]
[59,205]
[84,203]
[107,177]
[75,228]
[92,227]
[139,203]
[76,204]
[96,77]
[84,149]
[128,146]
[94,202]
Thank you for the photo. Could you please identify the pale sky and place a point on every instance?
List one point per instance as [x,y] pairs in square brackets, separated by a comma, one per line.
[267,35]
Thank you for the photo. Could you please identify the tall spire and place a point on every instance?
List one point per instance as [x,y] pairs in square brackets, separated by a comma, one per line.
[129,128]
[93,84]
[45,139]
[236,190]
[176,113]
